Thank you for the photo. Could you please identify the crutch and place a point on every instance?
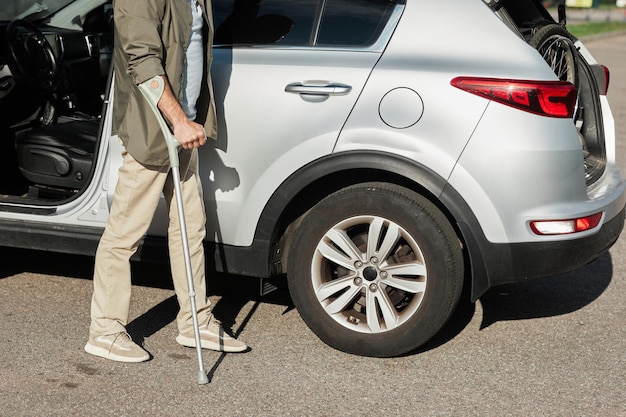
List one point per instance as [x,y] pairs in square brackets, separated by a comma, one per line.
[152,91]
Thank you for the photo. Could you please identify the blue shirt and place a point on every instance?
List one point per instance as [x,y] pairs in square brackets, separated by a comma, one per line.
[194,63]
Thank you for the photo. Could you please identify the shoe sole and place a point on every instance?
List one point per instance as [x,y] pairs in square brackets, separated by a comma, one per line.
[103,353]
[191,342]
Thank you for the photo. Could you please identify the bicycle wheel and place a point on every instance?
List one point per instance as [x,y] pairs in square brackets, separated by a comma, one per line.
[556,46]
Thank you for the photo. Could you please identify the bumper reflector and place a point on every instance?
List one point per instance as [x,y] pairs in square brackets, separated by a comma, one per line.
[563,227]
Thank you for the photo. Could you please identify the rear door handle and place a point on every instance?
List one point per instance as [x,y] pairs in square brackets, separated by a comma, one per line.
[319,89]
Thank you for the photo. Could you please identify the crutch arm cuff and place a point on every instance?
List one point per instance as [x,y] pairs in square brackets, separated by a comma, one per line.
[152,90]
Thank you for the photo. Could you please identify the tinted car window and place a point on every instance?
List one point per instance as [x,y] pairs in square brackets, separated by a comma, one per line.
[249,22]
[353,22]
[300,22]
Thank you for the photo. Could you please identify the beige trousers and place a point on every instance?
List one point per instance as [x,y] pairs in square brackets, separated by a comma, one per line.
[134,203]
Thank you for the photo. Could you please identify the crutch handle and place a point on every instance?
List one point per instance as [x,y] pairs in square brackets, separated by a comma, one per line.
[152,90]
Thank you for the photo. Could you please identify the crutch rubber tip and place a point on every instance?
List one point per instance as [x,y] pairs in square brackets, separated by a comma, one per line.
[203,379]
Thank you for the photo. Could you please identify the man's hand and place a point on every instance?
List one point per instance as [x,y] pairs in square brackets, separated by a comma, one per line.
[189,133]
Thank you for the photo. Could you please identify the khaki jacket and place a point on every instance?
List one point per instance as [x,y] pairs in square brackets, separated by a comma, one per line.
[151,37]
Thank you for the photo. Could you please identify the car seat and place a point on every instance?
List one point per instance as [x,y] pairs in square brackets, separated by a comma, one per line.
[59,155]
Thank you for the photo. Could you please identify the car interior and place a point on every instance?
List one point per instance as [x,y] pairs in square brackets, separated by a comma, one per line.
[52,87]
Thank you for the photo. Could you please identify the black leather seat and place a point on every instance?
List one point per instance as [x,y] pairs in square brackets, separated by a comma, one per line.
[59,155]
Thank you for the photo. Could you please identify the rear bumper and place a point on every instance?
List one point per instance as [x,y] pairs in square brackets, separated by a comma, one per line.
[500,264]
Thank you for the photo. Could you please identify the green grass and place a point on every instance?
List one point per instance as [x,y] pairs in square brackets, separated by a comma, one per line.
[593,28]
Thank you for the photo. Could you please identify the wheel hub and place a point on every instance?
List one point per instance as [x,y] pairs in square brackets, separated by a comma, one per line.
[370,273]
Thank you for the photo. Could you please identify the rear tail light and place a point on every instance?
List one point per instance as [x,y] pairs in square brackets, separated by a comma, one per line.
[564,227]
[546,98]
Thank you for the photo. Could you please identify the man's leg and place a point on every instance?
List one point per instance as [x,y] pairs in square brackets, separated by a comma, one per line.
[195,220]
[136,197]
[212,334]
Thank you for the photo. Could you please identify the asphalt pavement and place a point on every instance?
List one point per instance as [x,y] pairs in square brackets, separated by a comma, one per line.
[549,347]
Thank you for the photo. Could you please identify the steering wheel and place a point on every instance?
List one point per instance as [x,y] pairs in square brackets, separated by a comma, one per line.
[31,56]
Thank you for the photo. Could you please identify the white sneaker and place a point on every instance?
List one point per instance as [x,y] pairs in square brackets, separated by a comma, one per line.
[212,336]
[117,347]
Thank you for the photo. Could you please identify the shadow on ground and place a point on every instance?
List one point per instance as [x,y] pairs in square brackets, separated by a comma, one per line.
[234,291]
[542,297]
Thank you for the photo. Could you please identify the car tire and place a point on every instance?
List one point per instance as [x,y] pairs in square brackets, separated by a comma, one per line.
[375,270]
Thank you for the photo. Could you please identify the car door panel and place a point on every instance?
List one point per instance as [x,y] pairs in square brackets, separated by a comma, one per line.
[286,107]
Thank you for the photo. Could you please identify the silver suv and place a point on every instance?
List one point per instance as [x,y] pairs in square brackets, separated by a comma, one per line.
[382,155]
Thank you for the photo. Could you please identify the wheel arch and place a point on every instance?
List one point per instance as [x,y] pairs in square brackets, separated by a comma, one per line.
[307,186]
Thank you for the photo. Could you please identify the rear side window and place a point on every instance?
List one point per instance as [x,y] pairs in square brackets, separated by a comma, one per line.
[356,23]
[353,22]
